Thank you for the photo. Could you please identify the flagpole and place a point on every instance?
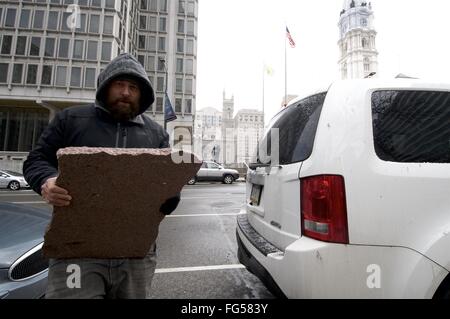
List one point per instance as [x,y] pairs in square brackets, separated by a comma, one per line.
[263,91]
[285,71]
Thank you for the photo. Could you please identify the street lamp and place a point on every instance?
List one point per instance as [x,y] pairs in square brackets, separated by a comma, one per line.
[163,61]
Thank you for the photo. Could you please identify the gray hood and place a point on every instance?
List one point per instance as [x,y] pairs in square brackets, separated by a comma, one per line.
[126,64]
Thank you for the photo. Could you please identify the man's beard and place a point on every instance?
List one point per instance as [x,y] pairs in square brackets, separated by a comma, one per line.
[123,112]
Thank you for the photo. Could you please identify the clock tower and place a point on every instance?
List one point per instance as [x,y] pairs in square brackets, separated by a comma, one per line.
[358,53]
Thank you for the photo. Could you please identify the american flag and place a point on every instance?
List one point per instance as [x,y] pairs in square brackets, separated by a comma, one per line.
[291,41]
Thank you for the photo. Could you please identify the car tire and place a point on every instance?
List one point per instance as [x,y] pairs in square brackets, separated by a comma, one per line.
[192,181]
[228,179]
[14,186]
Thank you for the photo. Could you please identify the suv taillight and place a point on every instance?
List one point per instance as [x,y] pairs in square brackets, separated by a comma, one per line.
[324,209]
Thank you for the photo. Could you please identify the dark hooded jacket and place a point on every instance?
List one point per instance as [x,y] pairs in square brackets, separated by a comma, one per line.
[93,126]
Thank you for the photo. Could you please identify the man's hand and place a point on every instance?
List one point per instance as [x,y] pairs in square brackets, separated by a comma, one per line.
[55,195]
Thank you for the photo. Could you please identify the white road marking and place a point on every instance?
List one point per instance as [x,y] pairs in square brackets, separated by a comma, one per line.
[212,197]
[204,215]
[204,268]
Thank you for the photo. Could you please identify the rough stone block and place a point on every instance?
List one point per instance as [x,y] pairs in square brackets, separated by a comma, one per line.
[116,196]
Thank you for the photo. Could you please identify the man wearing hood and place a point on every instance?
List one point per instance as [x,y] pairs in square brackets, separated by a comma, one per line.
[116,120]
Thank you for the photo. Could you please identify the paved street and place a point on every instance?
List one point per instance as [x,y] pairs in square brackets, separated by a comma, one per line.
[196,245]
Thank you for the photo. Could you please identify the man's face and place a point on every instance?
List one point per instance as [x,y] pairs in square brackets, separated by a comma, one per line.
[123,99]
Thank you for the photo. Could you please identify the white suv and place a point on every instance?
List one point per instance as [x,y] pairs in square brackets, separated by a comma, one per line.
[359,204]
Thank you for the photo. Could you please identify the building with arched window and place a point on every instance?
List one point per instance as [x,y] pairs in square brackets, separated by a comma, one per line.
[359,56]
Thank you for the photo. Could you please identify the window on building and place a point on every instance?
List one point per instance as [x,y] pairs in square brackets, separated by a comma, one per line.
[78,47]
[179,65]
[81,27]
[10,20]
[109,4]
[38,22]
[106,51]
[143,22]
[141,59]
[159,104]
[154,5]
[66,21]
[94,23]
[190,27]
[180,25]
[92,50]
[364,22]
[47,75]
[189,86]
[181,6]
[344,71]
[52,23]
[61,73]
[35,46]
[50,47]
[141,42]
[178,103]
[63,51]
[6,44]
[108,26]
[188,107]
[190,66]
[180,45]
[365,43]
[162,44]
[21,45]
[179,85]
[151,63]
[162,24]
[152,43]
[190,46]
[143,5]
[89,79]
[96,3]
[366,64]
[24,19]
[161,63]
[4,72]
[160,84]
[153,23]
[191,8]
[75,78]
[17,74]
[21,128]
[163,5]
[32,74]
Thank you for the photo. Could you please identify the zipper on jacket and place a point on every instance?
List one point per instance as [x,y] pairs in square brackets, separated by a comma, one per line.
[117,135]
[124,137]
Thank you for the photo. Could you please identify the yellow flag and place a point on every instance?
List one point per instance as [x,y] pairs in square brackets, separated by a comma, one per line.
[269,70]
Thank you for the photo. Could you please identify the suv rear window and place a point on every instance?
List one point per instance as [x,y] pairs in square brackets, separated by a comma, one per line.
[412,126]
[297,130]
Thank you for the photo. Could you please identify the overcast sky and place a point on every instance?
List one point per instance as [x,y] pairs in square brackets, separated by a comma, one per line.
[236,38]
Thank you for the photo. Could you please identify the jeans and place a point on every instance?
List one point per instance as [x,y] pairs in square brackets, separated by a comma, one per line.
[88,278]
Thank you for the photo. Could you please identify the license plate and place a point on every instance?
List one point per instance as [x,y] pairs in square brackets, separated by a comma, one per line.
[255,196]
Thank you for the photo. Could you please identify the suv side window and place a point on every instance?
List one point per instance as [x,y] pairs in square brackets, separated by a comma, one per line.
[411,126]
[204,165]
[297,129]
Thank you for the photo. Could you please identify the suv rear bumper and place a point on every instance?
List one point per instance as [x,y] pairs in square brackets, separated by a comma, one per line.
[315,269]
[252,265]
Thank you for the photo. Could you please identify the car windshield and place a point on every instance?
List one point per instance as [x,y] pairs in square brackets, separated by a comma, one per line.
[13,173]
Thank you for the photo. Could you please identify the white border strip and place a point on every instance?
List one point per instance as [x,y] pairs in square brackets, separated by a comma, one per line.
[204,268]
[204,215]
